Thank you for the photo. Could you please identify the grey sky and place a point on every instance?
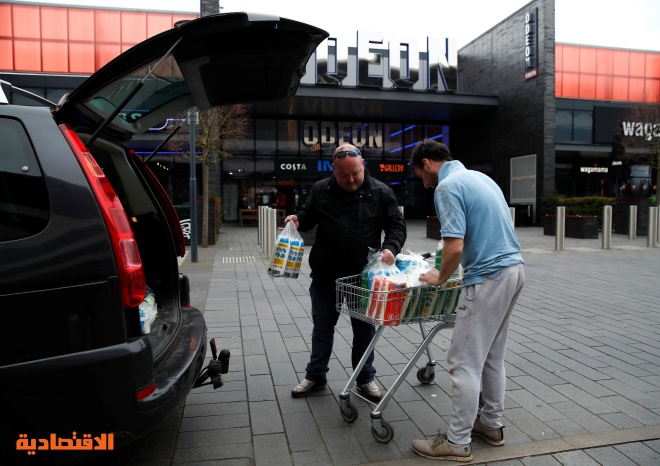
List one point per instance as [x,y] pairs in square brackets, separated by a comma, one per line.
[611,23]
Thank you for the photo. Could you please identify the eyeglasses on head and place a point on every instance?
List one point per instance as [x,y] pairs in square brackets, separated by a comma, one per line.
[343,153]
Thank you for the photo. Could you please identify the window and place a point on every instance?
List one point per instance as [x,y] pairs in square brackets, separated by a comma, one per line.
[23,197]
[574,126]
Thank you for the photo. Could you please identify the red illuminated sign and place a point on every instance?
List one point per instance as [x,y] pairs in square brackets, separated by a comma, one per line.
[392,167]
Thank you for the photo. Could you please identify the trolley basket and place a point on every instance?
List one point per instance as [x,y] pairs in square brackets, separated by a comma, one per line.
[390,303]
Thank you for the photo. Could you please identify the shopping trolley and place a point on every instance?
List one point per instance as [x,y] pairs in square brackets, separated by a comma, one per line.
[388,304]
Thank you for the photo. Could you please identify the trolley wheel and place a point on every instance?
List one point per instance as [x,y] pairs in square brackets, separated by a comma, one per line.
[386,435]
[350,414]
[423,378]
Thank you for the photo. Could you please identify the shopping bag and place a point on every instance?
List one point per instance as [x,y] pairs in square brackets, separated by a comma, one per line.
[296,252]
[373,293]
[280,253]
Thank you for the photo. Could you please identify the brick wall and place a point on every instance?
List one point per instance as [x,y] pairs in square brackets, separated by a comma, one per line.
[524,122]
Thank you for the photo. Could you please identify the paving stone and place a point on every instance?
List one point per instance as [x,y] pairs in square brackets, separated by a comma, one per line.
[215,409]
[535,405]
[311,458]
[303,432]
[640,453]
[621,421]
[582,417]
[343,446]
[542,460]
[265,418]
[633,410]
[586,384]
[225,421]
[260,388]
[624,380]
[283,373]
[256,365]
[219,452]
[576,458]
[214,437]
[584,399]
[530,424]
[539,373]
[427,420]
[541,390]
[609,455]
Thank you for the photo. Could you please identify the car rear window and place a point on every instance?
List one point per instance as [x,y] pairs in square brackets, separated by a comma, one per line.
[24,203]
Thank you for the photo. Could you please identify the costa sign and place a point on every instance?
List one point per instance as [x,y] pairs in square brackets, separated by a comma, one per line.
[373,62]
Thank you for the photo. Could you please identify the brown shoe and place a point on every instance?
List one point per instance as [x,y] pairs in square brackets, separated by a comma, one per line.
[492,435]
[439,448]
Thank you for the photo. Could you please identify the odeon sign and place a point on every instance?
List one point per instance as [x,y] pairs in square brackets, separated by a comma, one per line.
[328,133]
[398,63]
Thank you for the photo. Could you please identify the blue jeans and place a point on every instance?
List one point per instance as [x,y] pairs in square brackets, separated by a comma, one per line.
[325,316]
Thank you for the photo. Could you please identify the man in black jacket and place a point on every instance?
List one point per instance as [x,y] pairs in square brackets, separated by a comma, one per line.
[352,210]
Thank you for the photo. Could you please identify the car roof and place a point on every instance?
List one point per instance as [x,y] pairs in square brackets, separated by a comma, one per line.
[206,62]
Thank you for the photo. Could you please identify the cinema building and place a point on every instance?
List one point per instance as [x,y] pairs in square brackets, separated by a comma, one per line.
[535,115]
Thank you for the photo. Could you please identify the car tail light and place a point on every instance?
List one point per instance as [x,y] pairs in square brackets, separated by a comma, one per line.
[142,393]
[165,202]
[127,256]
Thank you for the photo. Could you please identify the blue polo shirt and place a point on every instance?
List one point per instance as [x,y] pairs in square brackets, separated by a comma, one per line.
[471,206]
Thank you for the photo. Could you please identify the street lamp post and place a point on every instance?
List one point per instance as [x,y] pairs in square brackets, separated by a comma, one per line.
[193,188]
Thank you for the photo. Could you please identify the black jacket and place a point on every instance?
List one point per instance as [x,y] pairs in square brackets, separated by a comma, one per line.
[348,224]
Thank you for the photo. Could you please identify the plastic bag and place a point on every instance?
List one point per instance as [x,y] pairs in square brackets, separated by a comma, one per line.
[287,254]
[380,299]
[148,311]
[296,253]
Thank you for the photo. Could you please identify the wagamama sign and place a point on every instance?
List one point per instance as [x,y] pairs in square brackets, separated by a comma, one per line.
[646,130]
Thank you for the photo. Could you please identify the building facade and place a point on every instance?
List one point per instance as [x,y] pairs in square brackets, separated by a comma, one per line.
[536,116]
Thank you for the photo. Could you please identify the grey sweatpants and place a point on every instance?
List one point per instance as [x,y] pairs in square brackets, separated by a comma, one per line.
[476,355]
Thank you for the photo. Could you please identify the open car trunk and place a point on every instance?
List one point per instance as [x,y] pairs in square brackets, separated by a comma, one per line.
[154,238]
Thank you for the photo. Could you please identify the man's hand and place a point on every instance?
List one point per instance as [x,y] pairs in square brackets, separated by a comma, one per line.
[292,218]
[388,257]
[432,277]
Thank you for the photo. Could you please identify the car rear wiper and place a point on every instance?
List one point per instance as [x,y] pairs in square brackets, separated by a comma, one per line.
[24,93]
[130,95]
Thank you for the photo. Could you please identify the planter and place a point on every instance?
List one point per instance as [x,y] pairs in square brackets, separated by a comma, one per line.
[433,228]
[575,226]
[621,215]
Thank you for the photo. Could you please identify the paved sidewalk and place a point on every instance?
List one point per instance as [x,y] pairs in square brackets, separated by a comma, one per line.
[583,365]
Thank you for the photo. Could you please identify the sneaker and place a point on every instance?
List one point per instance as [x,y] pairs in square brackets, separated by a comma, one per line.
[305,387]
[439,448]
[492,435]
[370,391]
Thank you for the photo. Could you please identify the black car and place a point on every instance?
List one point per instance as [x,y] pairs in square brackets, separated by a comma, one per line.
[86,230]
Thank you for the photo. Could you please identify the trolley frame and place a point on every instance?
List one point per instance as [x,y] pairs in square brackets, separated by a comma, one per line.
[434,304]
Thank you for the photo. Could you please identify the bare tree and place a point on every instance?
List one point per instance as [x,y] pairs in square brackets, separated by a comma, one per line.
[639,140]
[215,126]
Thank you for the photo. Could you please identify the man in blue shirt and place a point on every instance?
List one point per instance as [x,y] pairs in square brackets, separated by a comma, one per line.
[478,233]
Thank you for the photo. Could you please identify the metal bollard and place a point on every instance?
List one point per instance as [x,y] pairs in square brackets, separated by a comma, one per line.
[560,228]
[607,227]
[512,211]
[271,229]
[261,215]
[262,228]
[657,226]
[632,222]
[259,227]
[653,223]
